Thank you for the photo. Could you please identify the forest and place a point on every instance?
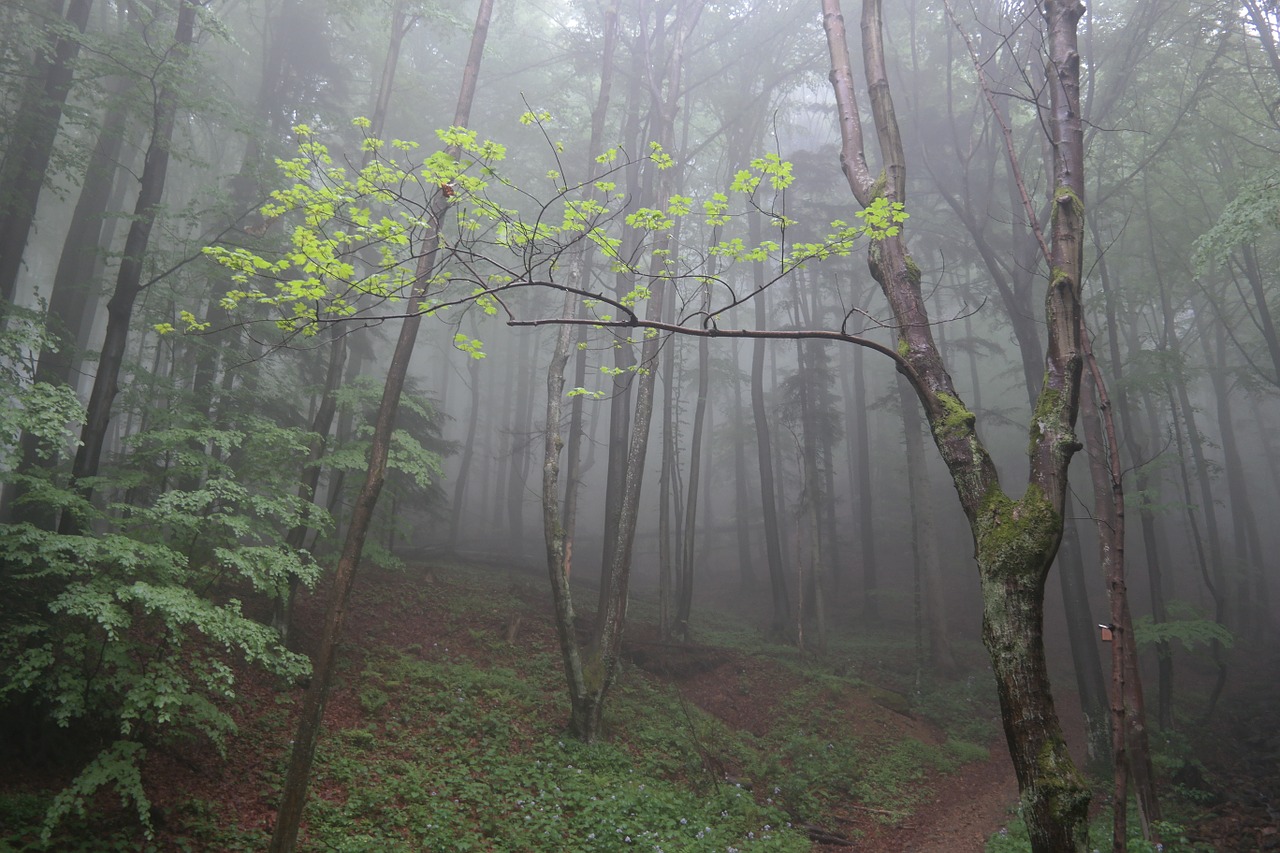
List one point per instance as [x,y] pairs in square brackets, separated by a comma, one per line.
[600,424]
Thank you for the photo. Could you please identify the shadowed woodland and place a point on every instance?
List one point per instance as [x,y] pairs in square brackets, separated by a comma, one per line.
[591,423]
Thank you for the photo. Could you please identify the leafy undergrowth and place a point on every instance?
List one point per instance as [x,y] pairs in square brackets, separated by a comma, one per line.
[443,734]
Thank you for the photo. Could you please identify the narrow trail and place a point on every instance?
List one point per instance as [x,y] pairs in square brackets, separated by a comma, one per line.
[967,808]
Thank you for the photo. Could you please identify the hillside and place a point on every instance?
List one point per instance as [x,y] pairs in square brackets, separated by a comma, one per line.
[445,732]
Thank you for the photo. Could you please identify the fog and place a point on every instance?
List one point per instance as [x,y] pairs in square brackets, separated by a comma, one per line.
[246,333]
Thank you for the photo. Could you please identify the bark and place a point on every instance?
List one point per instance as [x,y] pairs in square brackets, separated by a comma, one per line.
[518,471]
[931,614]
[557,536]
[558,528]
[1082,636]
[1251,608]
[768,500]
[1014,282]
[22,171]
[667,565]
[864,490]
[128,279]
[468,454]
[72,297]
[606,646]
[741,502]
[1131,752]
[289,818]
[1015,540]
[684,604]
[1136,450]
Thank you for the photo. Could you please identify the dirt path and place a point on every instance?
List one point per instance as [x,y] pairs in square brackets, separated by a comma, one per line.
[967,808]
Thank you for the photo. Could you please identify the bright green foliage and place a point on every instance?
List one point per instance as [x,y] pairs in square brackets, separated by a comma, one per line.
[357,236]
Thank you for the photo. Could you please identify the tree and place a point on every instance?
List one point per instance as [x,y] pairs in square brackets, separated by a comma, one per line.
[1015,540]
[129,281]
[30,146]
[289,817]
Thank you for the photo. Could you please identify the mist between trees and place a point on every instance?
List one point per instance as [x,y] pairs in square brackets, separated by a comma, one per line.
[667,298]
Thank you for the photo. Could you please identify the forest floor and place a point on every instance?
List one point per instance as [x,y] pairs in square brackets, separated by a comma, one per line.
[447,721]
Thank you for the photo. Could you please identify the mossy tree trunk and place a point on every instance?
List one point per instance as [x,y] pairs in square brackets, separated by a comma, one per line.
[1015,539]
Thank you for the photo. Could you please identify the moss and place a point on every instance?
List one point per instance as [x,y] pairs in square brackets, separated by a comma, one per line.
[904,349]
[593,673]
[877,188]
[913,271]
[956,420]
[1065,196]
[1046,409]
[1060,784]
[1014,536]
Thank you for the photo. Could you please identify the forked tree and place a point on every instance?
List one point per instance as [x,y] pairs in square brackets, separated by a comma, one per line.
[1015,539]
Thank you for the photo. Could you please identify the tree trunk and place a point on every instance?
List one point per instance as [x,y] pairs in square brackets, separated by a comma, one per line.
[1251,608]
[668,570]
[468,454]
[1015,540]
[73,295]
[931,614]
[289,817]
[606,646]
[558,529]
[860,437]
[1211,565]
[1137,451]
[518,470]
[687,561]
[128,280]
[623,356]
[764,455]
[1132,754]
[741,501]
[1082,636]
[22,170]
